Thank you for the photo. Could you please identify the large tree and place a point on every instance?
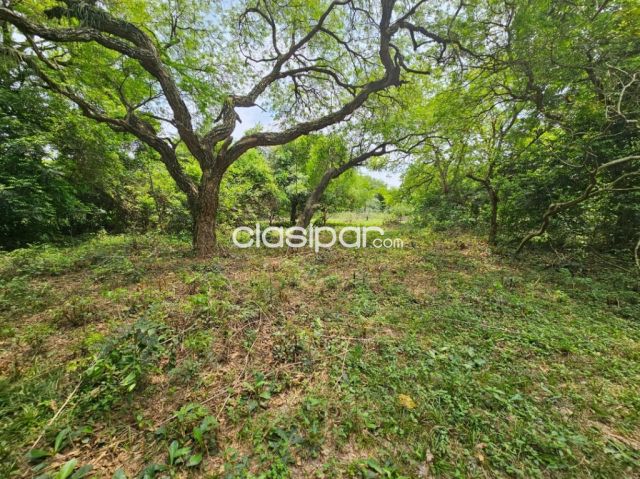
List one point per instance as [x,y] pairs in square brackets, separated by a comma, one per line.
[173,76]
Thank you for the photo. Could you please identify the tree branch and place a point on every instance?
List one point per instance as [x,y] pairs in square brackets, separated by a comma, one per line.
[132,124]
[122,37]
[593,189]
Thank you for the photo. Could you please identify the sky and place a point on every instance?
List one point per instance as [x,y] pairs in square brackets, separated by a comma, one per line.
[250,117]
[253,116]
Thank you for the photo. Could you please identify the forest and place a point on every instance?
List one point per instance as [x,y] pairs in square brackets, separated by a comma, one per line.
[279,239]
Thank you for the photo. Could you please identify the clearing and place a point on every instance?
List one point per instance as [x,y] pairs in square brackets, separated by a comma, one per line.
[436,360]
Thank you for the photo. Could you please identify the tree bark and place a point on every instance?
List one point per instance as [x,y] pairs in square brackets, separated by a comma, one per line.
[313,201]
[493,201]
[206,214]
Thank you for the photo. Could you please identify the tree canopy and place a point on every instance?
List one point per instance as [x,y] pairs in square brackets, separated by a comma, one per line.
[519,116]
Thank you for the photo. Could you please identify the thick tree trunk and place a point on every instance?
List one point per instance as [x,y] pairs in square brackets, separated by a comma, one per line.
[206,214]
[313,200]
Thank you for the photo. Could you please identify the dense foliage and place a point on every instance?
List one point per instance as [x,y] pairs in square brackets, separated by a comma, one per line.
[546,133]
[137,339]
[512,131]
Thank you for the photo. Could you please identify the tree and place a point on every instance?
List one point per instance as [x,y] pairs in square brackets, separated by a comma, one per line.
[339,164]
[58,177]
[546,125]
[158,73]
[584,90]
[291,165]
[501,141]
[249,190]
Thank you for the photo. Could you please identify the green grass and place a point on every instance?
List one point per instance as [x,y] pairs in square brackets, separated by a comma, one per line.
[436,360]
[349,218]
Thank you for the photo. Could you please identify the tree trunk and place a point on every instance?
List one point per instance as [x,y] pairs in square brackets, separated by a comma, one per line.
[493,201]
[206,214]
[493,225]
[293,213]
[314,198]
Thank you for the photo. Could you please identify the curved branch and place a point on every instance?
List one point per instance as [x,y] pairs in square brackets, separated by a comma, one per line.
[132,124]
[593,189]
[228,114]
[385,148]
[122,37]
[390,78]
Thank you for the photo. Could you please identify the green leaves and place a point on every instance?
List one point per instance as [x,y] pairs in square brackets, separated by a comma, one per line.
[122,364]
[61,439]
[194,433]
[129,382]
[67,469]
[70,470]
[59,174]
[300,165]
[37,455]
[195,460]
[177,453]
[249,190]
[83,471]
[201,433]
[119,474]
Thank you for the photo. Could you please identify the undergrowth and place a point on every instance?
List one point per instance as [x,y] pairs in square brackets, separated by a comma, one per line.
[126,357]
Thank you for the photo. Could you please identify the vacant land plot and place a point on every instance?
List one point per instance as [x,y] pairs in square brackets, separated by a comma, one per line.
[126,354]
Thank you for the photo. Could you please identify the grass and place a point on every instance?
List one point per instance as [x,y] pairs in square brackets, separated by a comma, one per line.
[349,218]
[440,359]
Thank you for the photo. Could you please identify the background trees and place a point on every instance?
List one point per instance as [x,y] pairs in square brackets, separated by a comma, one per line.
[507,116]
[59,176]
[547,127]
[316,173]
[171,79]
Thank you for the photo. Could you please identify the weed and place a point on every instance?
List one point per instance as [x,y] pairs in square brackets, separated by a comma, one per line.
[432,361]
[332,282]
[185,372]
[192,436]
[123,363]
[199,342]
[257,393]
[78,311]
[19,295]
[291,346]
[116,268]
